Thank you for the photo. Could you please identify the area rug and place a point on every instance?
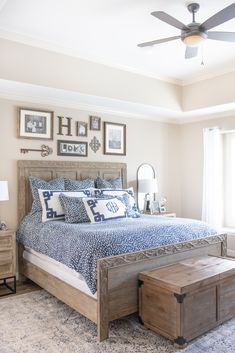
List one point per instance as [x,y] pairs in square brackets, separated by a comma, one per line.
[36,322]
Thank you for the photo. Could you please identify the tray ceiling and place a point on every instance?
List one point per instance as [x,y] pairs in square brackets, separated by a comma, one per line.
[107,31]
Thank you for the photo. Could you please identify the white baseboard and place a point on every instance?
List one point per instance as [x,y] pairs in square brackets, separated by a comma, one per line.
[231,253]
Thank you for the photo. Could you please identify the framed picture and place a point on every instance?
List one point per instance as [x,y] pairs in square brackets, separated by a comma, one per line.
[81,128]
[36,124]
[114,139]
[72,148]
[155,207]
[95,123]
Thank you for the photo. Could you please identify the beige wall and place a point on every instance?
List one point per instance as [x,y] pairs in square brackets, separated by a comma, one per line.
[209,93]
[147,141]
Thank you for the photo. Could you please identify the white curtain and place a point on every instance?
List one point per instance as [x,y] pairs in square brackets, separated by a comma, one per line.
[212,204]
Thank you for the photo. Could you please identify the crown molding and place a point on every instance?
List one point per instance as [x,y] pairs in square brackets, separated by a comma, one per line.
[35,94]
[29,93]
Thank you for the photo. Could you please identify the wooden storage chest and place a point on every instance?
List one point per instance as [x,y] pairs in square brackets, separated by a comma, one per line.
[186,299]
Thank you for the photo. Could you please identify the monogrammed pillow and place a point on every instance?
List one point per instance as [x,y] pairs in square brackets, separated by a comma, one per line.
[102,209]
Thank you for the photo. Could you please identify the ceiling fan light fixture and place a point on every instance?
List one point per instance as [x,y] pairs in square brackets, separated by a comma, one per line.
[194,39]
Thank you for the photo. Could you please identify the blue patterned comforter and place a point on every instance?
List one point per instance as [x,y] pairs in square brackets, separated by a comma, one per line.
[79,246]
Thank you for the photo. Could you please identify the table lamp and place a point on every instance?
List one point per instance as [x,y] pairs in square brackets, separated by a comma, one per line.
[148,187]
[4,196]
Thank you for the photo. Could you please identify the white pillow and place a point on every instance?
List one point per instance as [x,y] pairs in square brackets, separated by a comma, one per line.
[99,210]
[51,207]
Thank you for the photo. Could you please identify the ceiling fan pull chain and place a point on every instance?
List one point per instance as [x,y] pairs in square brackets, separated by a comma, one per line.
[202,51]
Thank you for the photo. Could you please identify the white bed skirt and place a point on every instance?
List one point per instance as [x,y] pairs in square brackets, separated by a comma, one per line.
[57,269]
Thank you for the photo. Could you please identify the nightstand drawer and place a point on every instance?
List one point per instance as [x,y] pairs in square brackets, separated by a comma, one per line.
[6,271]
[6,263]
[6,257]
[6,242]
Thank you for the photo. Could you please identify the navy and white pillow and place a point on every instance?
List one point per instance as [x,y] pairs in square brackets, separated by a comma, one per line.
[105,209]
[52,209]
[37,183]
[101,183]
[133,209]
[74,209]
[76,185]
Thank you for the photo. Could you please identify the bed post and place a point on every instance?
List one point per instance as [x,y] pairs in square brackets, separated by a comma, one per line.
[102,305]
[21,276]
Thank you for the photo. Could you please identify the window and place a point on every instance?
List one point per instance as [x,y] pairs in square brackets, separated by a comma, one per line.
[229,179]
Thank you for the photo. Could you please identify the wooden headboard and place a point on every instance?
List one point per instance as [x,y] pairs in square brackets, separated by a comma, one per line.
[53,169]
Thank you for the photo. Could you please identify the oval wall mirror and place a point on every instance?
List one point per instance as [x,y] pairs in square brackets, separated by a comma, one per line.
[145,171]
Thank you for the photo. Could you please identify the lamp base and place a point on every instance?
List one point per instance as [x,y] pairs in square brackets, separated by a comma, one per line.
[148,204]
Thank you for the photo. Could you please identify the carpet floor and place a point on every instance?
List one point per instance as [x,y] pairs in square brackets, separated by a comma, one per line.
[36,322]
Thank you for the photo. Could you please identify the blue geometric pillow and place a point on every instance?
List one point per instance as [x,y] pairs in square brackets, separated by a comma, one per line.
[52,209]
[74,209]
[74,185]
[37,183]
[104,209]
[108,184]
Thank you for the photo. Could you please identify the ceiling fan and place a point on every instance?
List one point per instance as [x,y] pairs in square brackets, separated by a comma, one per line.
[194,33]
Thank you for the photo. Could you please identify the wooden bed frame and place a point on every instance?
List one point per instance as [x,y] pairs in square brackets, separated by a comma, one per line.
[117,276]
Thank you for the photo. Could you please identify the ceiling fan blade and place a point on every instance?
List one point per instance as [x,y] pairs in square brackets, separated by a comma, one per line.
[163,16]
[158,41]
[224,36]
[191,52]
[220,17]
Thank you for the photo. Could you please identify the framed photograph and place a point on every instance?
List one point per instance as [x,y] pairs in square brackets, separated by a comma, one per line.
[35,124]
[155,207]
[72,148]
[114,139]
[95,123]
[81,128]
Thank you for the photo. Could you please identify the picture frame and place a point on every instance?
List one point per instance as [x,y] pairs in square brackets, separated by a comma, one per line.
[72,148]
[155,207]
[81,128]
[114,139]
[35,124]
[95,123]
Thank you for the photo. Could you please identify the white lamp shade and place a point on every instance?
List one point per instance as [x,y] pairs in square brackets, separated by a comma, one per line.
[4,195]
[148,186]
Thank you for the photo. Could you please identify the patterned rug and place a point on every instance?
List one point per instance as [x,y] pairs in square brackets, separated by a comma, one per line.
[39,323]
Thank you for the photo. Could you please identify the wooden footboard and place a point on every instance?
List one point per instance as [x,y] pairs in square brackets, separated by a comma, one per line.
[117,279]
[118,275]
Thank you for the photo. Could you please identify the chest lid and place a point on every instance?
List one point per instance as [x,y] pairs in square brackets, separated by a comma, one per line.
[187,275]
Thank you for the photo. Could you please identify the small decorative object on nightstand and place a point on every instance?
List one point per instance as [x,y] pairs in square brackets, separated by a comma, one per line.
[4,196]
[8,261]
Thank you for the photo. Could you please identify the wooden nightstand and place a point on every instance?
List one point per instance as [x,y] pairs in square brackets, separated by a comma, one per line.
[165,214]
[8,260]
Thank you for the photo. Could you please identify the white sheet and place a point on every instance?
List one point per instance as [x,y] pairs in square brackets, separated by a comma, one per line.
[57,269]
